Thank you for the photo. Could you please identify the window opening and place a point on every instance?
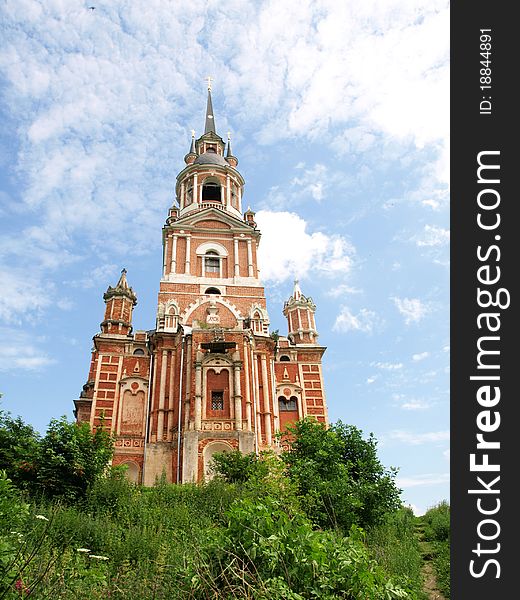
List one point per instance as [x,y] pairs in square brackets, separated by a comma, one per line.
[212,262]
[211,192]
[217,400]
[288,404]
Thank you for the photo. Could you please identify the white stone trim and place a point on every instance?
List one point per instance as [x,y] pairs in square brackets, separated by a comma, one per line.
[204,248]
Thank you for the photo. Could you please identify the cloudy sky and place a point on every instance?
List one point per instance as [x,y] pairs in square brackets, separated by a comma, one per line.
[339,116]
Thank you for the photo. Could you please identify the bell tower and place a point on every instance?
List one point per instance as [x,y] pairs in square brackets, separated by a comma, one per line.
[210,377]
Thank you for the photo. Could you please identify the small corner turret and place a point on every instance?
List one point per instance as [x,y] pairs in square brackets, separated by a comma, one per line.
[299,311]
[120,301]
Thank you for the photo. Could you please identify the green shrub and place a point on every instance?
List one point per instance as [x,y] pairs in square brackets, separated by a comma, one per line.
[437,522]
[266,552]
[339,478]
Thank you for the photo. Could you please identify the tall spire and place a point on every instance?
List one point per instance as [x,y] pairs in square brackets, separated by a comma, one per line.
[209,126]
[297,293]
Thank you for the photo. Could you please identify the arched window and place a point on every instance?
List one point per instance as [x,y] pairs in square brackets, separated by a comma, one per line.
[211,190]
[285,358]
[287,404]
[257,322]
[212,291]
[171,318]
[211,262]
[138,352]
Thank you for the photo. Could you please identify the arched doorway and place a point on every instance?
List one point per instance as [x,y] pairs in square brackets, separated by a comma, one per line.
[209,451]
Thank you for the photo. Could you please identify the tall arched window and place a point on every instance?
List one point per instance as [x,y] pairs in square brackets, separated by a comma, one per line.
[211,262]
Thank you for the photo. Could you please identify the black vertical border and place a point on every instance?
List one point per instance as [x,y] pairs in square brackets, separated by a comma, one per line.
[471,133]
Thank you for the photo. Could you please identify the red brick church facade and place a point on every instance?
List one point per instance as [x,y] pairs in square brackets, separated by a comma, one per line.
[210,377]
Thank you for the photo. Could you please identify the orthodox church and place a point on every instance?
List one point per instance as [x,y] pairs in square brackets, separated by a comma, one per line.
[210,377]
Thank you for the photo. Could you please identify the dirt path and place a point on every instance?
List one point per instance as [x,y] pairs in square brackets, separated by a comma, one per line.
[428,570]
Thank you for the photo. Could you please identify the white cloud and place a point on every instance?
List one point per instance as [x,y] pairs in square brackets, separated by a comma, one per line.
[365,321]
[387,366]
[313,181]
[342,290]
[432,236]
[420,356]
[303,253]
[415,405]
[371,379]
[417,511]
[24,295]
[423,480]
[412,309]
[98,276]
[20,352]
[415,439]
[100,116]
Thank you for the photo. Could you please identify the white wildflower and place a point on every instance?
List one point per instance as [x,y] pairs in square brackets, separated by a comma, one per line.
[99,557]
[82,550]
[41,517]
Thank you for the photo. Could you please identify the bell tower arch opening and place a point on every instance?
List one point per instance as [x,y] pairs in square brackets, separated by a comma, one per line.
[211,189]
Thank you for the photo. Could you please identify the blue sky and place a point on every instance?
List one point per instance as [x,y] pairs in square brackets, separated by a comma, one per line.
[339,114]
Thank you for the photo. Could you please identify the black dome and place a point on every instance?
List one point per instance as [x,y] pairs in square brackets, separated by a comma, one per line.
[211,158]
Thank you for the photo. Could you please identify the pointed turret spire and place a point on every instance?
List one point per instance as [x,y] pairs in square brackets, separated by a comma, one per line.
[192,154]
[123,283]
[230,158]
[297,293]
[299,310]
[121,289]
[209,126]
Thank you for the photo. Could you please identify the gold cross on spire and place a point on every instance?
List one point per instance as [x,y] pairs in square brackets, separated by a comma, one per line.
[209,80]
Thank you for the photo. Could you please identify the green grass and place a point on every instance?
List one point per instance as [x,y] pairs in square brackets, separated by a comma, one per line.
[395,546]
[195,542]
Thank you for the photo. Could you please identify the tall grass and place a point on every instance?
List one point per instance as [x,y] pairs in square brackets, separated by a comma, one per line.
[194,542]
[396,549]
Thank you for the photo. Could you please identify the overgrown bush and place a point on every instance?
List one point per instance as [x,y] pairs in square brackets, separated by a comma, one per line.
[266,552]
[340,480]
[19,445]
[437,523]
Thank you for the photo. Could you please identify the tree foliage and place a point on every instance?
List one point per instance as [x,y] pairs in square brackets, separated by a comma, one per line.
[235,467]
[340,480]
[19,444]
[63,463]
[71,458]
